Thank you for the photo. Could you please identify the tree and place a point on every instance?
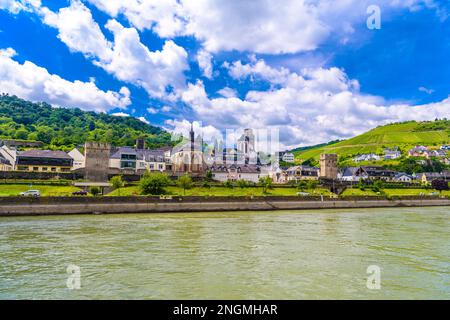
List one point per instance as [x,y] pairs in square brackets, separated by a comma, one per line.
[209,176]
[377,185]
[229,184]
[440,185]
[116,182]
[242,184]
[302,185]
[265,183]
[185,182]
[95,191]
[154,183]
[312,184]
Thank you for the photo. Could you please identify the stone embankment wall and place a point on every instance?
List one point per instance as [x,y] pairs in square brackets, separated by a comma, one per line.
[15,206]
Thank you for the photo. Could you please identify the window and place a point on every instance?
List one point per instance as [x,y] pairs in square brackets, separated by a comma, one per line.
[44,168]
[152,166]
[53,169]
[161,166]
[35,168]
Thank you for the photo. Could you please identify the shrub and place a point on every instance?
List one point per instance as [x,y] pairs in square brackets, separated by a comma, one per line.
[242,184]
[95,191]
[265,183]
[440,185]
[116,182]
[153,183]
[185,182]
[229,184]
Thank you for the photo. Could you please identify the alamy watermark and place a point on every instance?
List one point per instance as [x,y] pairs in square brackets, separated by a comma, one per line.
[374,278]
[374,19]
[74,279]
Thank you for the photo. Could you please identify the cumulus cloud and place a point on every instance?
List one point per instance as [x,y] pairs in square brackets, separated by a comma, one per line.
[143,120]
[262,26]
[227,92]
[160,72]
[309,107]
[35,83]
[204,60]
[120,114]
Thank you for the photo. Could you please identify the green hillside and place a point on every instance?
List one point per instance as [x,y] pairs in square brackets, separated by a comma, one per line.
[61,128]
[402,135]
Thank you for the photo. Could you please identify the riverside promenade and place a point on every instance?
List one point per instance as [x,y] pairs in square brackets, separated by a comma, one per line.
[20,206]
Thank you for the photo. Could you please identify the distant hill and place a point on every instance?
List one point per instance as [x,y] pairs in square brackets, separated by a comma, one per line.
[403,135]
[61,128]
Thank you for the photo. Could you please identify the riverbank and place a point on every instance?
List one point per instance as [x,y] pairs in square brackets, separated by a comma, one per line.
[19,206]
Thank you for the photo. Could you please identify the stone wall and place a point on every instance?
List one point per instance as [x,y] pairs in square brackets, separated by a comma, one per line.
[13,206]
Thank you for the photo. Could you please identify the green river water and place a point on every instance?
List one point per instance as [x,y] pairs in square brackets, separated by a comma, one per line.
[240,255]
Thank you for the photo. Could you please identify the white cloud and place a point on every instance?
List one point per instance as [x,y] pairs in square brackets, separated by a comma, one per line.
[313,106]
[204,59]
[120,114]
[426,90]
[35,83]
[143,120]
[160,73]
[284,26]
[166,109]
[227,92]
[152,110]
[183,127]
[15,6]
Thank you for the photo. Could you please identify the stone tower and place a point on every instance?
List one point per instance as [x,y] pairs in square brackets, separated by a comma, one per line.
[97,161]
[328,166]
[140,143]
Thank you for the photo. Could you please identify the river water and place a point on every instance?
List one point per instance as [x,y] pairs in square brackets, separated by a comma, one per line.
[240,255]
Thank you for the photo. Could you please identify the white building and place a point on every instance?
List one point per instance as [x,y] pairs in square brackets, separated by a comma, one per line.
[249,173]
[367,157]
[392,154]
[79,161]
[9,155]
[131,159]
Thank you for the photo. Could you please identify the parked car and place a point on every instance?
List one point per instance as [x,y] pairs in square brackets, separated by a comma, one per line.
[303,194]
[80,193]
[31,193]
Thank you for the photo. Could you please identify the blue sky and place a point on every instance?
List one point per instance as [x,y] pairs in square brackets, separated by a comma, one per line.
[310,68]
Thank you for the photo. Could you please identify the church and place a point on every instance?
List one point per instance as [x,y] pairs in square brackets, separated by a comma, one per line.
[187,157]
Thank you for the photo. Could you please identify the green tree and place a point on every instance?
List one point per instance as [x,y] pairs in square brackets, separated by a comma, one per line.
[116,183]
[95,191]
[242,184]
[302,185]
[229,184]
[154,183]
[209,176]
[185,182]
[378,186]
[312,184]
[266,183]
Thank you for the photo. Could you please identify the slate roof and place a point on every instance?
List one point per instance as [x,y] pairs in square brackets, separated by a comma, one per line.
[44,154]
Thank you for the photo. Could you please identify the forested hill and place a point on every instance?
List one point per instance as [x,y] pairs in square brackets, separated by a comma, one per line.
[61,128]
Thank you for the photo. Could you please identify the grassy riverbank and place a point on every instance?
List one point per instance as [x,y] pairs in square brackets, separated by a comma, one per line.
[8,190]
[223,191]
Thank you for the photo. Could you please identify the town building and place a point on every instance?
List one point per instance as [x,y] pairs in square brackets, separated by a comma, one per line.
[79,161]
[246,146]
[298,173]
[5,164]
[349,174]
[43,161]
[9,154]
[249,173]
[375,173]
[188,156]
[428,177]
[390,154]
[328,166]
[403,177]
[136,161]
[367,157]
[286,156]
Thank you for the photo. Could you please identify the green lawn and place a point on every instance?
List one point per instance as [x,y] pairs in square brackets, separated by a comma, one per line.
[223,191]
[392,192]
[46,191]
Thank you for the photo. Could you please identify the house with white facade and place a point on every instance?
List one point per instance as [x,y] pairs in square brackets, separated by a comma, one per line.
[79,161]
[367,157]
